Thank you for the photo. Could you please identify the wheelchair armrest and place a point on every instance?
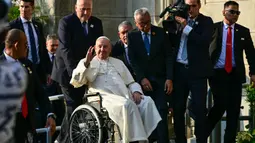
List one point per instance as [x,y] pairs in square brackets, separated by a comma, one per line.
[85,98]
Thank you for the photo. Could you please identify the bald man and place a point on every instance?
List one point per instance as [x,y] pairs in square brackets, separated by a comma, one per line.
[77,32]
[16,51]
[121,94]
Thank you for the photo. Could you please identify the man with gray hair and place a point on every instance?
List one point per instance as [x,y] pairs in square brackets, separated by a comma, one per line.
[135,114]
[151,58]
[120,48]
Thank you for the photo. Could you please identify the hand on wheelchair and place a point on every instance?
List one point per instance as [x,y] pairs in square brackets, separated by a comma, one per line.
[137,97]
[52,124]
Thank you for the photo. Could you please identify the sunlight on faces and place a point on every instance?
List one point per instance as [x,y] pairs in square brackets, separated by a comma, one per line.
[26,10]
[231,14]
[194,8]
[52,45]
[143,22]
[103,48]
[123,31]
[83,9]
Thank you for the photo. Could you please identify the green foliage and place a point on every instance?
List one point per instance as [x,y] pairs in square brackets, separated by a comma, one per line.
[13,13]
[244,137]
[250,97]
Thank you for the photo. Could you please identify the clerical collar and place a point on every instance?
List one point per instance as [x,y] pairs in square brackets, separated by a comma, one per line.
[9,58]
[106,60]
[23,20]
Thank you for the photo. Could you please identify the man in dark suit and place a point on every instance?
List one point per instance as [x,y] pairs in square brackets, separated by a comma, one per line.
[191,70]
[52,87]
[16,50]
[230,40]
[120,48]
[150,55]
[37,52]
[77,32]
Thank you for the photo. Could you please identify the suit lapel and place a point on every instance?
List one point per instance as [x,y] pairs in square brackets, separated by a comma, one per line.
[153,46]
[236,39]
[140,40]
[36,28]
[20,24]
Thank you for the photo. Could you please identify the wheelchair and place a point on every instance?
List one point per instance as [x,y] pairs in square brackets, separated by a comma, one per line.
[90,123]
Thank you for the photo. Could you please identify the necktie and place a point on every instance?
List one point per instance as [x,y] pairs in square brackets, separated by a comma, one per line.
[24,107]
[126,54]
[32,43]
[184,55]
[228,60]
[52,58]
[146,43]
[84,25]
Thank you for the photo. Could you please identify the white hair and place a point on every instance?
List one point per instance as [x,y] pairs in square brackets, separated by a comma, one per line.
[103,37]
[141,11]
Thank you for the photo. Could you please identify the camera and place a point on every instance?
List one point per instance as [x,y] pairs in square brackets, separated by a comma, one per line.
[4,8]
[178,9]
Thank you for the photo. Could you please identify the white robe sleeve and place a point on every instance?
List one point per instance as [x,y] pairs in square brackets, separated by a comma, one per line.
[129,81]
[79,75]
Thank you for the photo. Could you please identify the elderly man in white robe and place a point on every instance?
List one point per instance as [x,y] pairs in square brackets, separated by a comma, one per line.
[134,113]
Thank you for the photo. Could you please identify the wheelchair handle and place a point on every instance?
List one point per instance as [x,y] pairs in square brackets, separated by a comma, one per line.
[93,94]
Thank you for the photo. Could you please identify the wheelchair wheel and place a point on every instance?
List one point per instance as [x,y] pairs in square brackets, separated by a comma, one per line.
[85,125]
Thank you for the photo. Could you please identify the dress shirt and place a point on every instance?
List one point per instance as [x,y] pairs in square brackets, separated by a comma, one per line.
[87,28]
[50,56]
[221,61]
[126,53]
[9,58]
[24,22]
[148,34]
[184,39]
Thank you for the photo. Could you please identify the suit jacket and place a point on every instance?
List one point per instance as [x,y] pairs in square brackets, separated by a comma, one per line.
[73,45]
[34,93]
[198,43]
[159,64]
[118,51]
[42,68]
[242,42]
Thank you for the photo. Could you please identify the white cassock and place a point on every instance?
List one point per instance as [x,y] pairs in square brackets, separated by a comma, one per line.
[114,82]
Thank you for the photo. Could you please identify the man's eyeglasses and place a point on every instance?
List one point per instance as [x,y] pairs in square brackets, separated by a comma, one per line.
[234,12]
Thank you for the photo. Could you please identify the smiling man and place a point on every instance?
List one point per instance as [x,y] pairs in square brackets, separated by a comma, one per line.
[121,94]
[230,40]
[77,32]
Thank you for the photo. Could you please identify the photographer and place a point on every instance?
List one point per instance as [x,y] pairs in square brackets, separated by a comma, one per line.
[192,68]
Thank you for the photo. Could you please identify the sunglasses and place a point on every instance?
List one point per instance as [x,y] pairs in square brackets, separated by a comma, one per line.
[234,12]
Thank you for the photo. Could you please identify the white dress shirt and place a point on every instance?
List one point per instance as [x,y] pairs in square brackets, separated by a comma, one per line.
[36,39]
[184,38]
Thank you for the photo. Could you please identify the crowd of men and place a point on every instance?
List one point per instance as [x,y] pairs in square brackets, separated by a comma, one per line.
[145,67]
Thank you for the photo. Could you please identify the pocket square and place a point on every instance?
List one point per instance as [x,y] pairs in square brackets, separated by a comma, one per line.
[242,39]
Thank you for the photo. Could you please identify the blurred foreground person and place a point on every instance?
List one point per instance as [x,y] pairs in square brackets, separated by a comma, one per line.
[13,82]
[16,51]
